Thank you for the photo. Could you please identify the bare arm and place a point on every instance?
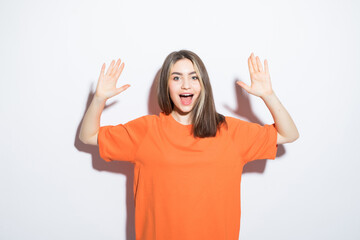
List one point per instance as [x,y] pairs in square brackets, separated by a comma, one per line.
[91,122]
[261,87]
[285,126]
[105,89]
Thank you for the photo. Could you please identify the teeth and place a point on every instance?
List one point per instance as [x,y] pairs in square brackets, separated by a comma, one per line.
[186,95]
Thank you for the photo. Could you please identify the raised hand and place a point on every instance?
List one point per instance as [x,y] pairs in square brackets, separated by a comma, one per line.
[106,86]
[260,78]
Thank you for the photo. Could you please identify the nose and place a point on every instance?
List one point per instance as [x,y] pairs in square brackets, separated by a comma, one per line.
[185,84]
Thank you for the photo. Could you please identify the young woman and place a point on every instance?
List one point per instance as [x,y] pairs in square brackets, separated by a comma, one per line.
[189,159]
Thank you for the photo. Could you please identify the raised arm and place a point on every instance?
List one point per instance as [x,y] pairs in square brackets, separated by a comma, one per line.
[261,87]
[105,89]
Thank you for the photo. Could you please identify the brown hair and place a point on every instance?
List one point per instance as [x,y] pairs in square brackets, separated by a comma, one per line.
[206,121]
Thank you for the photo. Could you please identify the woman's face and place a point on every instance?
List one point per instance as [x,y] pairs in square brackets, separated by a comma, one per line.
[184,86]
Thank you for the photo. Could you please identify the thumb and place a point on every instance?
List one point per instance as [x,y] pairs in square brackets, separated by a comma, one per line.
[244,86]
[121,89]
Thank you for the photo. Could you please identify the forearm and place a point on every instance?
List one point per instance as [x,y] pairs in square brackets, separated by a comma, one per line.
[91,122]
[285,126]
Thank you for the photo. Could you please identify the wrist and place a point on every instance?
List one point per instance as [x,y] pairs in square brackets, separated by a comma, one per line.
[269,95]
[99,99]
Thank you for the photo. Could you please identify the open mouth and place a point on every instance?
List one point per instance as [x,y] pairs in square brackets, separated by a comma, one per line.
[186,99]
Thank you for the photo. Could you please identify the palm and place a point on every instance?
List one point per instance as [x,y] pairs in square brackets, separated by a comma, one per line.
[106,87]
[260,78]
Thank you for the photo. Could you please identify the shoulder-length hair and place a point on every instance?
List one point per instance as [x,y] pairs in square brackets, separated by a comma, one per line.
[205,120]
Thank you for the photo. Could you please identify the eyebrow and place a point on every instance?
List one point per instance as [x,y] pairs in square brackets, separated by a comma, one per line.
[177,73]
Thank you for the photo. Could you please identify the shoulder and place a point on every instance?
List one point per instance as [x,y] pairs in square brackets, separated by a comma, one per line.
[238,125]
[249,128]
[146,119]
[138,126]
[232,121]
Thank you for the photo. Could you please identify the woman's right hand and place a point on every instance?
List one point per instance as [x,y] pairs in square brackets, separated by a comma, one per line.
[106,86]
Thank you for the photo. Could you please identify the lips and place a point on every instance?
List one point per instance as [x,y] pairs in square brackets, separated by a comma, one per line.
[186,95]
[186,98]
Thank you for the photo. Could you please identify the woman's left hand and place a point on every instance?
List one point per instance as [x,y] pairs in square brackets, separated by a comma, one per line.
[260,78]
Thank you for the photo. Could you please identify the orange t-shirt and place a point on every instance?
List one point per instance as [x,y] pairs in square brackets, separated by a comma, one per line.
[186,188]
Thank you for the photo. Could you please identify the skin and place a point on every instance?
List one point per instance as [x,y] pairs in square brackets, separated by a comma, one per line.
[183,79]
[260,87]
[105,89]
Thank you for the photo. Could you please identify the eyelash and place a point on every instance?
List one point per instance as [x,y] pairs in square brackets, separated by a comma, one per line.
[193,78]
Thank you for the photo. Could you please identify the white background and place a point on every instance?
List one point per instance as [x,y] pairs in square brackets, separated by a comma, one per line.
[54,187]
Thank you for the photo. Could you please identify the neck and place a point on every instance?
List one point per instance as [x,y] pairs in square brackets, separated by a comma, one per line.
[183,118]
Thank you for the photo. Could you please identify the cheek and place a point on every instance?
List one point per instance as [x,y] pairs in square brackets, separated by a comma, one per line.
[171,88]
[172,91]
[197,86]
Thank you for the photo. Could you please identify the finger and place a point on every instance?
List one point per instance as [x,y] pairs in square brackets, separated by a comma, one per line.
[251,69]
[258,62]
[266,66]
[121,89]
[110,67]
[113,72]
[253,62]
[102,70]
[119,71]
[244,86]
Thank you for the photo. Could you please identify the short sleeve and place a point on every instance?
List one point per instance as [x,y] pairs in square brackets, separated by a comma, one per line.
[254,141]
[121,142]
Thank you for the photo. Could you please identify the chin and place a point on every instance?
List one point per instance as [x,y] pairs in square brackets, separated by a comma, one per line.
[183,110]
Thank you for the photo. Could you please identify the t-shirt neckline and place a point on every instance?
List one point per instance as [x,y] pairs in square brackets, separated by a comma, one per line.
[173,121]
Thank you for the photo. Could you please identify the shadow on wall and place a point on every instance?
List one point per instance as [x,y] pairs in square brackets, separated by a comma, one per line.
[244,110]
[153,106]
[122,167]
[127,168]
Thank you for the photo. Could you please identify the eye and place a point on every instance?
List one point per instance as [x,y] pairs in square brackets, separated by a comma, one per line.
[175,78]
[195,78]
